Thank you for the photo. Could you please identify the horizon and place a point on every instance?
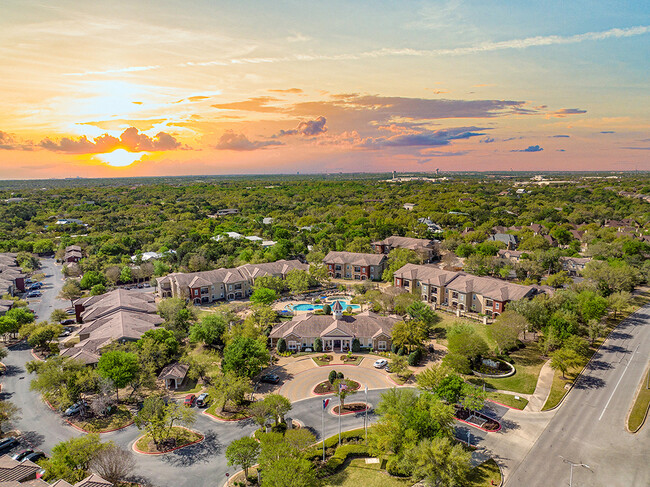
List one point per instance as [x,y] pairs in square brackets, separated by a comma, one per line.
[220,89]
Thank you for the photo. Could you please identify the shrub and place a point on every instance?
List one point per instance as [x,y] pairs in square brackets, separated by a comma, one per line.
[318,344]
[394,348]
[394,468]
[332,377]
[327,309]
[401,352]
[340,375]
[356,346]
[282,345]
[415,356]
[341,454]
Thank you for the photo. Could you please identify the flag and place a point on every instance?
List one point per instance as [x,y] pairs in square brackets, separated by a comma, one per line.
[325,403]
[366,389]
[343,387]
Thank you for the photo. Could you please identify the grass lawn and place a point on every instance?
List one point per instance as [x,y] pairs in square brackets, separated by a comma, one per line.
[120,418]
[190,386]
[640,406]
[528,362]
[321,363]
[182,436]
[448,319]
[241,413]
[484,475]
[358,473]
[508,399]
[558,390]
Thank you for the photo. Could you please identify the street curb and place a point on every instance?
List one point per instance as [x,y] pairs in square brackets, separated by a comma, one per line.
[36,356]
[368,408]
[136,450]
[504,405]
[644,378]
[478,427]
[216,418]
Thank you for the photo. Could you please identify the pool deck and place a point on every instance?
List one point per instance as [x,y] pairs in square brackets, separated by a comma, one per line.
[282,305]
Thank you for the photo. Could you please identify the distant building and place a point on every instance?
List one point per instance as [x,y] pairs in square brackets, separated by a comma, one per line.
[431,226]
[409,206]
[72,254]
[224,212]
[574,265]
[511,241]
[267,220]
[12,278]
[424,247]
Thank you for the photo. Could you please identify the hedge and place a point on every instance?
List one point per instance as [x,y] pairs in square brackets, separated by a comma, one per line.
[342,453]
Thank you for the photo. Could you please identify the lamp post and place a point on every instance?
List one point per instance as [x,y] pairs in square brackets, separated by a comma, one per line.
[572,464]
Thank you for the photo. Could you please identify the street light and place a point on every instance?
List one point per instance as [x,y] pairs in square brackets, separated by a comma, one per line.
[574,465]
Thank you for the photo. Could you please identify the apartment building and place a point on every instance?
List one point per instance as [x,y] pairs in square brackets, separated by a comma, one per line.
[458,290]
[12,278]
[357,266]
[210,286]
[72,254]
[426,248]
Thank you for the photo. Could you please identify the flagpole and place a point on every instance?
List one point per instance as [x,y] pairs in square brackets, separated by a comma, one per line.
[340,411]
[322,426]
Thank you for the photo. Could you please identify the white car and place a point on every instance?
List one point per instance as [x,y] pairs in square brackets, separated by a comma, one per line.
[380,363]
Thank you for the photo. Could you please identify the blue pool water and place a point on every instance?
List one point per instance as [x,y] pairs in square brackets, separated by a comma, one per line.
[314,307]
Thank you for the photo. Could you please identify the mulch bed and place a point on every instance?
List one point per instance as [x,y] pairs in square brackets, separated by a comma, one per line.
[490,424]
[326,387]
[353,407]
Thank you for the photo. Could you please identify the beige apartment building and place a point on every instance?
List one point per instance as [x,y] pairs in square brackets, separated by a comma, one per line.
[357,266]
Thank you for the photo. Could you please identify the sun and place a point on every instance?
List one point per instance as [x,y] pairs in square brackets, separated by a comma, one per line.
[120,157]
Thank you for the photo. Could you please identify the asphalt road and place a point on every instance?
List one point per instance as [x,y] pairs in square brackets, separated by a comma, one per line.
[589,427]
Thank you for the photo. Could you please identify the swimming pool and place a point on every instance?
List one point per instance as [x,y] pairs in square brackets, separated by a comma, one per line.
[314,307]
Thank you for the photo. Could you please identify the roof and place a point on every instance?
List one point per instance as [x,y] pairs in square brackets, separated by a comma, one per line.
[490,287]
[11,469]
[61,483]
[427,274]
[29,483]
[362,325]
[406,242]
[503,237]
[354,258]
[174,371]
[118,299]
[93,481]
[337,306]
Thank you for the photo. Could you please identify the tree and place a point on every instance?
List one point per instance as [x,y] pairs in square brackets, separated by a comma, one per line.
[70,290]
[429,379]
[9,412]
[457,362]
[619,301]
[209,330]
[158,417]
[243,452]
[318,344]
[43,334]
[409,334]
[263,295]
[463,340]
[92,278]
[230,387]
[71,459]
[126,275]
[398,258]
[177,314]
[113,463]
[281,345]
[595,330]
[298,281]
[157,347]
[259,410]
[591,306]
[563,359]
[278,406]
[289,472]
[356,345]
[472,397]
[327,309]
[277,284]
[439,462]
[56,378]
[97,290]
[43,246]
[422,312]
[450,389]
[58,315]
[399,365]
[342,389]
[120,367]
[245,356]
[506,329]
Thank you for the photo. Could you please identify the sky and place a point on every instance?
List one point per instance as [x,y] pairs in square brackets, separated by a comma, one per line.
[92,88]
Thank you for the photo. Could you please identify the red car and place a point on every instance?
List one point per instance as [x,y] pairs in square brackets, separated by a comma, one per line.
[190,399]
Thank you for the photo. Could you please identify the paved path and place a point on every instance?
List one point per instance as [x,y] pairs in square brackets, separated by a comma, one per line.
[542,389]
[589,427]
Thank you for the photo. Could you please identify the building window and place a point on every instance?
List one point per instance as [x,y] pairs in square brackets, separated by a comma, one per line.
[338,267]
[407,283]
[454,295]
[237,286]
[292,345]
[488,302]
[381,345]
[357,268]
[496,306]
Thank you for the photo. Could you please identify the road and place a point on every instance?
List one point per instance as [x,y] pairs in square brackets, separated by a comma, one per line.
[589,427]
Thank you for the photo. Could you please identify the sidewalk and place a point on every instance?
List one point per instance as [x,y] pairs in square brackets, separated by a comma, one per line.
[542,390]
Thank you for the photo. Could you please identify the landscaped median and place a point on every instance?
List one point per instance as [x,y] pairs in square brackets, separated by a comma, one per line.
[640,408]
[324,360]
[178,437]
[327,387]
[120,418]
[218,413]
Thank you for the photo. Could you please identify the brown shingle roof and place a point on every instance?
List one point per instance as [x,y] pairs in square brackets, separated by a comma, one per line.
[11,469]
[406,242]
[174,371]
[354,258]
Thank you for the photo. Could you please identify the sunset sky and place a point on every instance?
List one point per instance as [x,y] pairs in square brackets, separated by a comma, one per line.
[138,88]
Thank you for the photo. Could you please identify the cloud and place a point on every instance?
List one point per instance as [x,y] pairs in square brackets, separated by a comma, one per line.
[560,136]
[561,150]
[129,69]
[291,91]
[298,37]
[307,128]
[566,111]
[425,138]
[256,104]
[239,142]
[8,142]
[530,148]
[487,140]
[131,140]
[436,153]
[607,132]
[636,148]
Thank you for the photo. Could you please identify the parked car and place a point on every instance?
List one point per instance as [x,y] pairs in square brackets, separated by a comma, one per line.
[382,362]
[7,444]
[387,368]
[70,311]
[69,321]
[270,378]
[35,457]
[75,408]
[65,333]
[33,294]
[20,456]
[34,286]
[146,284]
[202,400]
[190,399]
[140,286]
